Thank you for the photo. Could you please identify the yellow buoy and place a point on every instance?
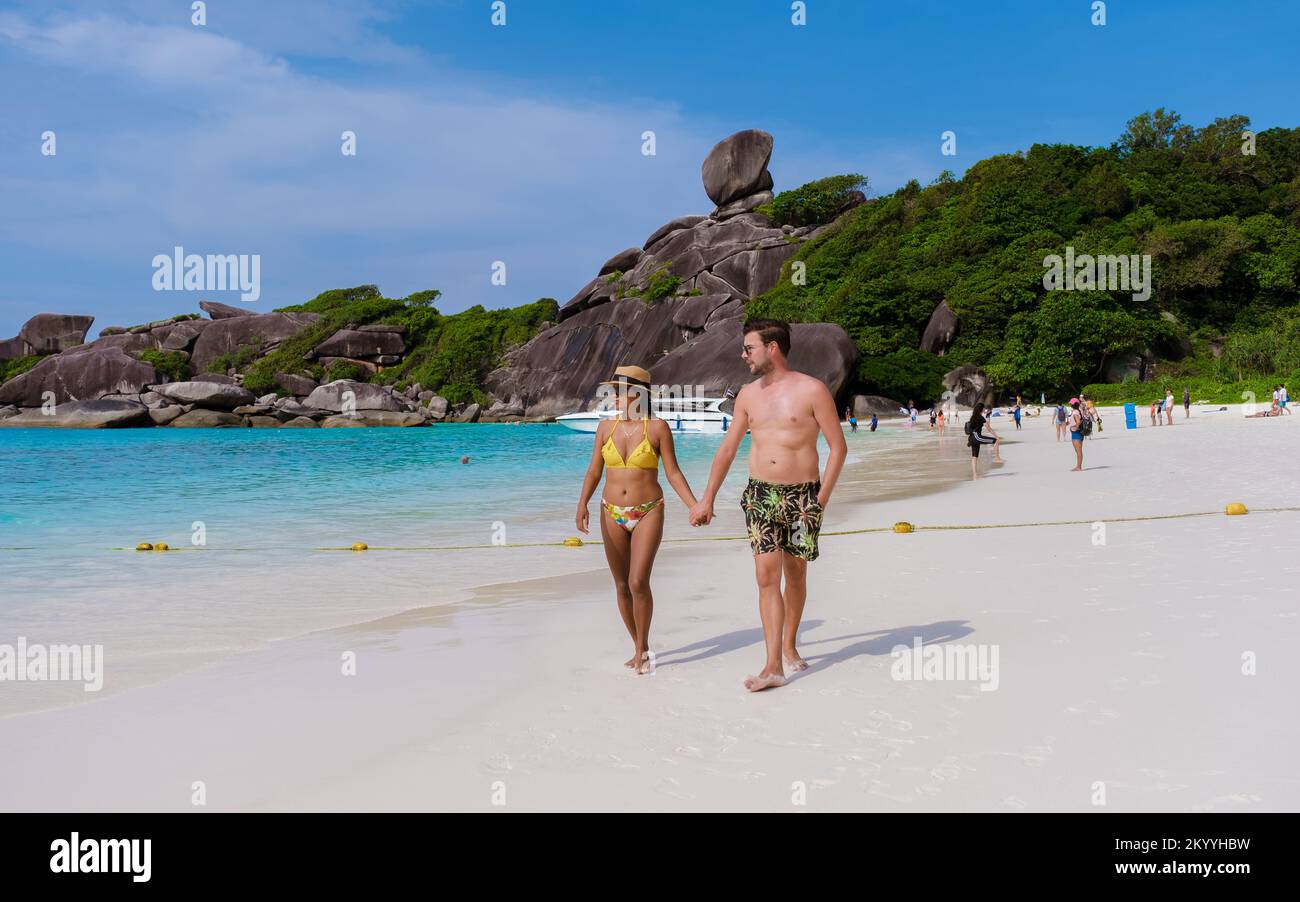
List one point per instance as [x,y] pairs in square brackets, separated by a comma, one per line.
[573,542]
[144,546]
[360,546]
[160,546]
[1235,508]
[903,526]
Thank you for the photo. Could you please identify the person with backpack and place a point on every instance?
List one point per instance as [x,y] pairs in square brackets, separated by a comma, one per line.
[1058,418]
[1080,425]
[975,437]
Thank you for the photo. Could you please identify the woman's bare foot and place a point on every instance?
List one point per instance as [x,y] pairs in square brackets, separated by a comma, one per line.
[631,663]
[647,663]
[765,680]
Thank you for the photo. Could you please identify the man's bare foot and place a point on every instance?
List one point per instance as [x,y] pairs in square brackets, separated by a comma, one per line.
[764,680]
[794,660]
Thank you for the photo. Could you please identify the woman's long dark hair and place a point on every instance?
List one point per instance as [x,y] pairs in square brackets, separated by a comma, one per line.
[979,408]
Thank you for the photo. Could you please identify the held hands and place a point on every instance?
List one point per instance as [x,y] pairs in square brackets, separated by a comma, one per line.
[702,513]
[581,520]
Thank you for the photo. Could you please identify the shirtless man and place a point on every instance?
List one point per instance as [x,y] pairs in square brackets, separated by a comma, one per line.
[783,411]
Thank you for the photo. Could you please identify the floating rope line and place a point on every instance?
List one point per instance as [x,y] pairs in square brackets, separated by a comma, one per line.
[578,543]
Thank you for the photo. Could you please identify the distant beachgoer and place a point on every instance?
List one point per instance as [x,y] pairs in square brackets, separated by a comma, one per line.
[1155,413]
[853,419]
[874,422]
[1282,399]
[1075,423]
[933,417]
[1187,402]
[464,458]
[1169,405]
[976,438]
[629,448]
[1091,411]
[1016,412]
[940,420]
[911,410]
[1058,418]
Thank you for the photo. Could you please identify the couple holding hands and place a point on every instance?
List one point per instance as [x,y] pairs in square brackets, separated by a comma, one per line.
[783,411]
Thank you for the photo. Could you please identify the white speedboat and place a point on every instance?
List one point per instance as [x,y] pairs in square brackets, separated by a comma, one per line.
[681,414]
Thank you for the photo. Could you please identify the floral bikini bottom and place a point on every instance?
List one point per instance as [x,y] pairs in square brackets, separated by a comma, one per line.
[628,517]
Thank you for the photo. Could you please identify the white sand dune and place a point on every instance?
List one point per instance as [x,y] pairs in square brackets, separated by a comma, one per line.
[1120,667]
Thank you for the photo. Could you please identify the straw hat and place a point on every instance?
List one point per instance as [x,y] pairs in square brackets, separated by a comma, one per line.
[631,375]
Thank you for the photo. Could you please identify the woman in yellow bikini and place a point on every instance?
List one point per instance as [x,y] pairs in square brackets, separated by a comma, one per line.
[629,448]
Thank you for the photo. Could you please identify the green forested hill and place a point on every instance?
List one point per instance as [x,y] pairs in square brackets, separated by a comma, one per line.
[1222,227]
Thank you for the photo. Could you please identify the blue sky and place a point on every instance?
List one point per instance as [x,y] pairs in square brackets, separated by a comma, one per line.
[523,143]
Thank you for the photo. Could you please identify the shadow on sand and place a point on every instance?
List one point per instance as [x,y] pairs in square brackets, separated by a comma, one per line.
[877,642]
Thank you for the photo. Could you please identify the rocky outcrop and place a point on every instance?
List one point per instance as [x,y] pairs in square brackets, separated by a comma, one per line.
[940,330]
[295,385]
[344,394]
[374,418]
[212,395]
[358,344]
[866,405]
[83,415]
[83,374]
[689,337]
[50,333]
[46,333]
[737,167]
[968,384]
[217,310]
[206,419]
[264,331]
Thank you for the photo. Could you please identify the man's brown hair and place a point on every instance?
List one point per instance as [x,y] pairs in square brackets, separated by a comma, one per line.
[771,330]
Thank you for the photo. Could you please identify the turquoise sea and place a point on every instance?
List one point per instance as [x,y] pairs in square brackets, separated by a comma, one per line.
[266,504]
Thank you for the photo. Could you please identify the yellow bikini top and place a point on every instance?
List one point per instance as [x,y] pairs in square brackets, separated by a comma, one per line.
[643,456]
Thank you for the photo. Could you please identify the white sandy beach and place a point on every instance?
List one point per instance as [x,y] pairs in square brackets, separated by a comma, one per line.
[1118,664]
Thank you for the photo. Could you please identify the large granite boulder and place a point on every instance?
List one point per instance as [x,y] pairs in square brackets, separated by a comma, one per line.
[968,385]
[182,335]
[50,333]
[13,348]
[737,167]
[198,418]
[558,371]
[84,415]
[355,343]
[743,205]
[754,272]
[212,395]
[129,342]
[865,405]
[262,330]
[219,378]
[693,312]
[82,374]
[374,418]
[940,330]
[712,360]
[674,225]
[470,414]
[332,396]
[218,310]
[620,262]
[295,385]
